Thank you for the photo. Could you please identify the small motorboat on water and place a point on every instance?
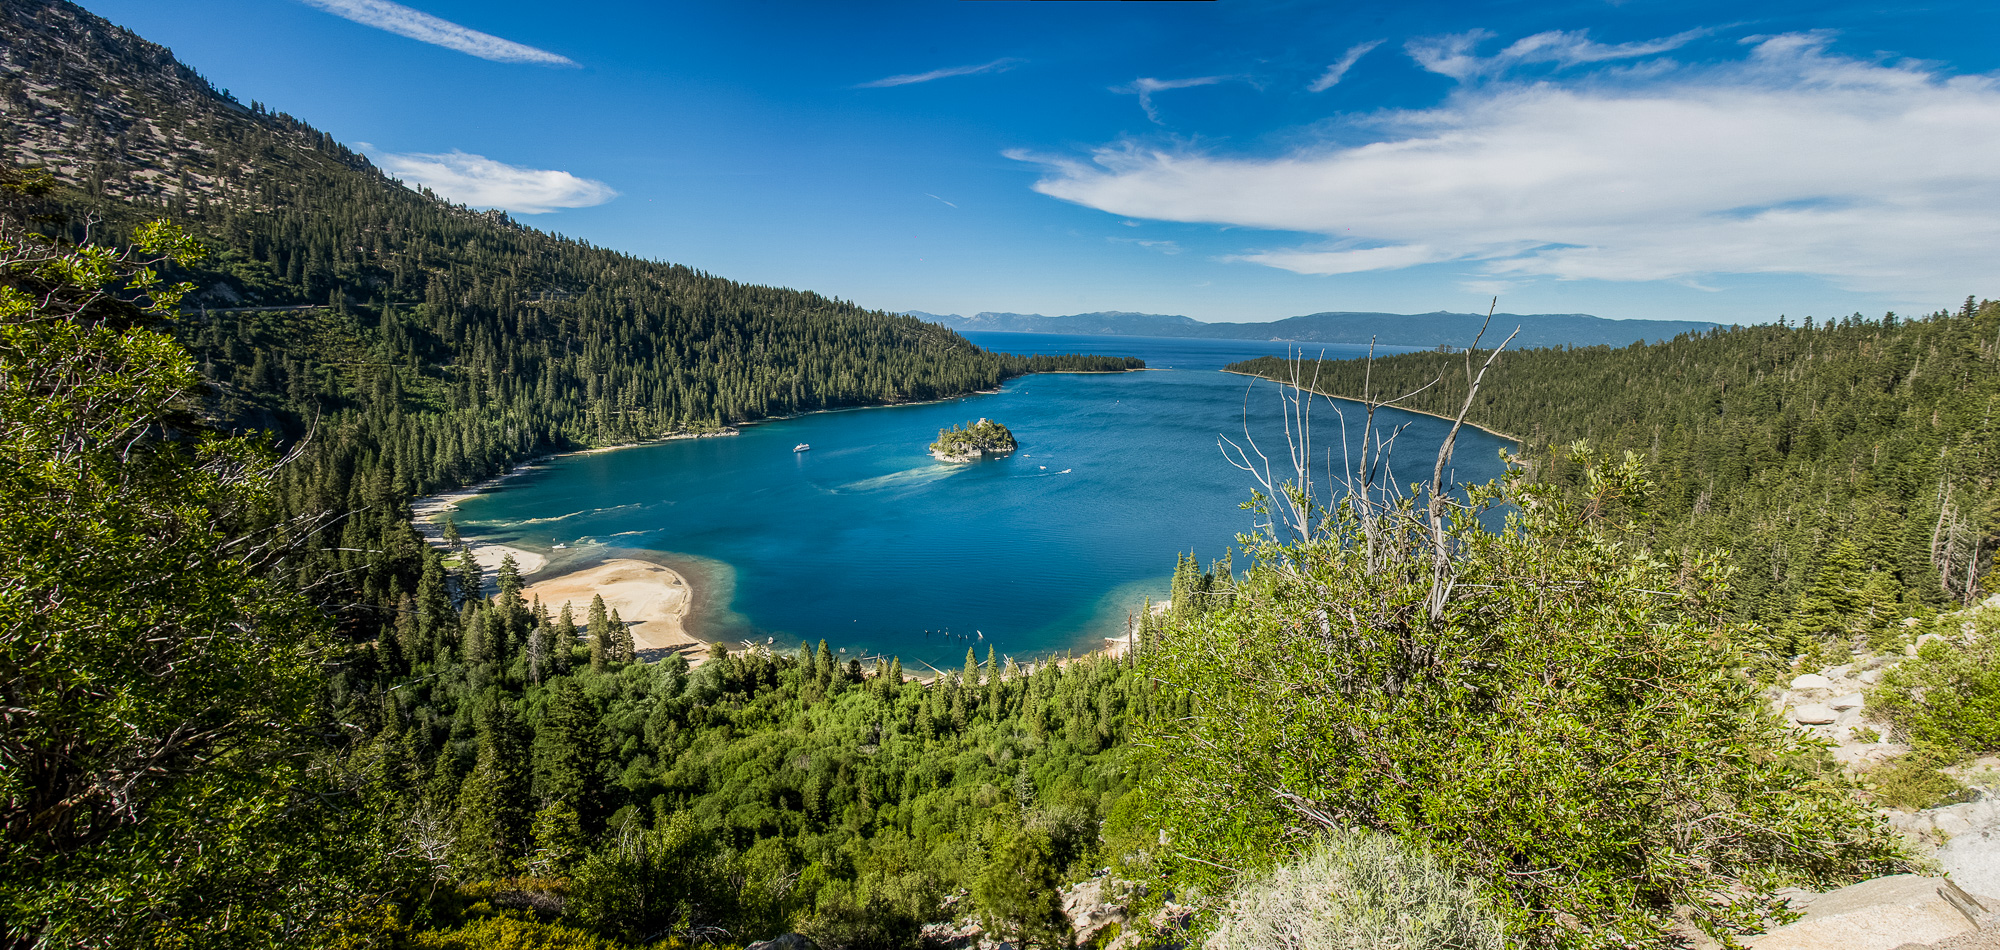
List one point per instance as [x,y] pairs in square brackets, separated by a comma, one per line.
[559,546]
[802,447]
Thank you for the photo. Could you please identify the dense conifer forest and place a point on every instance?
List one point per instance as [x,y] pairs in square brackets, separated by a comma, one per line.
[386,344]
[245,705]
[1848,465]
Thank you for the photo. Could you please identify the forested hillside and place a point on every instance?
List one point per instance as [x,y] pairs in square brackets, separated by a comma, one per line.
[1848,466]
[245,705]
[390,344]
[410,343]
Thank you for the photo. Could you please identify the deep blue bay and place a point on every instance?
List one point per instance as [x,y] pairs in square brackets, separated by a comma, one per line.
[868,542]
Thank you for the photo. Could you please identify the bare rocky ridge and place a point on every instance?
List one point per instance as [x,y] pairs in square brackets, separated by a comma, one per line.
[100,108]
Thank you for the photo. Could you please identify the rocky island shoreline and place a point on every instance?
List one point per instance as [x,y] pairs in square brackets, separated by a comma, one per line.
[972,442]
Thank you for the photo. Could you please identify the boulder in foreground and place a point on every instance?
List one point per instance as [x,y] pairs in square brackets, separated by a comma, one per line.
[1881,914]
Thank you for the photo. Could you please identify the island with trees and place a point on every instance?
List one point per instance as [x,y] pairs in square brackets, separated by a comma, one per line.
[972,442]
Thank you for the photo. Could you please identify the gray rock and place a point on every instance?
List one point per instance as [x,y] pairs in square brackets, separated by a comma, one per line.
[785,942]
[1951,823]
[1881,914]
[1973,860]
[1811,681]
[1862,756]
[1814,714]
[1844,703]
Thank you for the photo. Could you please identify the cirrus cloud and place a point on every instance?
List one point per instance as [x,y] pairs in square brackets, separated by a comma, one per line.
[424,28]
[481,182]
[1792,160]
[997,66]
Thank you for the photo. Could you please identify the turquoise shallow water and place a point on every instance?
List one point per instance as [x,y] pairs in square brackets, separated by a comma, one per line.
[869,543]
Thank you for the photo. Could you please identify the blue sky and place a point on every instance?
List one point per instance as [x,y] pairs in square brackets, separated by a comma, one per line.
[1232,160]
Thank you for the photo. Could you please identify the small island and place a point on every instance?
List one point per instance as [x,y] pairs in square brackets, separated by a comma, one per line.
[973,442]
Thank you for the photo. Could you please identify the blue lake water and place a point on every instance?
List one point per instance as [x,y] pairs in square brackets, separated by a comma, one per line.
[869,543]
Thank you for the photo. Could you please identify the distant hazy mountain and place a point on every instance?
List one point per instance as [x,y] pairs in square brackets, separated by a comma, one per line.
[1113,322]
[1393,329]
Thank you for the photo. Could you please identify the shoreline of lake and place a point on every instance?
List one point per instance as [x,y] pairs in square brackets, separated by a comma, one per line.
[1489,431]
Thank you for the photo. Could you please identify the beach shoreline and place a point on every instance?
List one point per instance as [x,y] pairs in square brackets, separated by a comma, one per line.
[1492,432]
[655,600]
[652,599]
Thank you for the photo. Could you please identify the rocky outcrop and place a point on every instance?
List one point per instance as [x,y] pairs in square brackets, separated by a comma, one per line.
[973,442]
[785,942]
[1883,914]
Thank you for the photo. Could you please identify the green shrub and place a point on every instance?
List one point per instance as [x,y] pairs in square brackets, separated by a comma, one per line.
[1949,693]
[502,933]
[1560,715]
[1916,780]
[1359,891]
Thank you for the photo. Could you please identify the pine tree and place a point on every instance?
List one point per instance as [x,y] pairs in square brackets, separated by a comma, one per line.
[993,686]
[436,621]
[568,751]
[562,641]
[624,650]
[601,644]
[1830,602]
[490,820]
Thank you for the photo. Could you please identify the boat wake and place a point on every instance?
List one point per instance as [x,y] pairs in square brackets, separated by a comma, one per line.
[555,518]
[908,478]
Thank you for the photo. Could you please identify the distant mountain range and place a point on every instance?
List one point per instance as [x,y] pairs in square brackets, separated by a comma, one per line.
[1392,329]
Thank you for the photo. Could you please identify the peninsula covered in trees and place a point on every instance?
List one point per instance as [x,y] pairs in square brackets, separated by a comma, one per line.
[973,441]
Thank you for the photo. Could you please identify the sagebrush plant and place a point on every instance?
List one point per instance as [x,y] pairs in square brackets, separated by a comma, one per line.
[1917,780]
[1561,715]
[1358,890]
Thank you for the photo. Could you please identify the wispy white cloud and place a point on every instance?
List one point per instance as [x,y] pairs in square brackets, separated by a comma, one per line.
[1164,247]
[481,182]
[421,26]
[929,195]
[1790,160]
[1337,71]
[997,66]
[1453,54]
[1144,89]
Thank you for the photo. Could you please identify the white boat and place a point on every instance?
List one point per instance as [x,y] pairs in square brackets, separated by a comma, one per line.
[560,546]
[802,447]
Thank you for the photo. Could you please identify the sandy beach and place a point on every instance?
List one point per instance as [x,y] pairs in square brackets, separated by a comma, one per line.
[427,516]
[651,599]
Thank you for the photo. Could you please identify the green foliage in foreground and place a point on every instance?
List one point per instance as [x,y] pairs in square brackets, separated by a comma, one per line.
[158,691]
[1359,891]
[1558,715]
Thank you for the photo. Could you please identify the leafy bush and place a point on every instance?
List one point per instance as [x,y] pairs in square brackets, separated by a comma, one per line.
[1558,714]
[1359,891]
[853,921]
[501,933]
[1948,694]
[1916,780]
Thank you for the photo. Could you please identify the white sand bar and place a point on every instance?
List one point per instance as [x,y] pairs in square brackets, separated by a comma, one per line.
[651,599]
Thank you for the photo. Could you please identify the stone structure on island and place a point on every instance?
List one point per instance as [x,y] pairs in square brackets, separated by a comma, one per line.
[973,442]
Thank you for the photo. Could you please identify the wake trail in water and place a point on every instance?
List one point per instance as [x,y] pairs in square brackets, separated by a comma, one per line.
[908,478]
[555,518]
